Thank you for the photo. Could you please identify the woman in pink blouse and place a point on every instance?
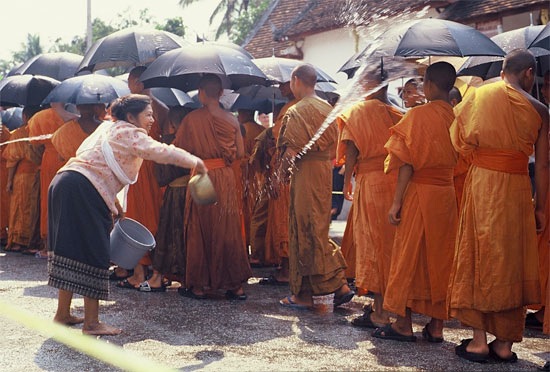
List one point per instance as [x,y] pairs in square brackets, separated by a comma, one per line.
[82,202]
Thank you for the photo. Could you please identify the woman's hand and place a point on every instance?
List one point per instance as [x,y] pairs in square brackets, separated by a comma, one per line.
[200,167]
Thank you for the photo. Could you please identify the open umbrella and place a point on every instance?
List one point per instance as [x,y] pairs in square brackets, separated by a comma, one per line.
[259,92]
[434,37]
[12,117]
[228,44]
[521,38]
[129,47]
[543,39]
[88,89]
[25,90]
[279,69]
[262,105]
[59,66]
[183,68]
[173,97]
[327,91]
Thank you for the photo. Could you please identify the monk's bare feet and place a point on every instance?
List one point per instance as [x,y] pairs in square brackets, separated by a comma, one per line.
[435,327]
[477,348]
[101,329]
[68,320]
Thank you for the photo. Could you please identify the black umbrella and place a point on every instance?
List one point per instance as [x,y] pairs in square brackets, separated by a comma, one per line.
[129,47]
[88,89]
[434,37]
[59,66]
[12,117]
[173,97]
[25,90]
[182,68]
[327,91]
[279,69]
[229,45]
[522,38]
[262,105]
[260,92]
[543,39]
[353,63]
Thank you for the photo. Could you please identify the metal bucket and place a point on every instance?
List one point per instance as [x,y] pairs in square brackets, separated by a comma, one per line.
[130,240]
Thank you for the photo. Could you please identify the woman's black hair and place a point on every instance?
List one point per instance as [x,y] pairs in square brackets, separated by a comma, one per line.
[130,104]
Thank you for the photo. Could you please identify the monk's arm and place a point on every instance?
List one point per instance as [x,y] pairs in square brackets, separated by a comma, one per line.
[403,178]
[541,171]
[351,160]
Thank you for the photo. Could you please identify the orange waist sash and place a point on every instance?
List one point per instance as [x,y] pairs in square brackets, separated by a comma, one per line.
[370,165]
[214,163]
[433,176]
[501,160]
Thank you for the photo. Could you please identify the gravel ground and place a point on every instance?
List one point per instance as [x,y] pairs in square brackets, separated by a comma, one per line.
[216,334]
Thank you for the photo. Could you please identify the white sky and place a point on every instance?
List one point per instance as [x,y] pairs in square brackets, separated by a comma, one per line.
[53,19]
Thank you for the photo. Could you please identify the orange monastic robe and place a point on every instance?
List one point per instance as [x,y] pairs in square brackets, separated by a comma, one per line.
[423,247]
[248,182]
[68,139]
[216,256]
[145,196]
[24,204]
[367,124]
[46,122]
[495,271]
[4,196]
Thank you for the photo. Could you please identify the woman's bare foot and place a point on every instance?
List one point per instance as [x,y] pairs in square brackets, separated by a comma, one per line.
[69,320]
[101,329]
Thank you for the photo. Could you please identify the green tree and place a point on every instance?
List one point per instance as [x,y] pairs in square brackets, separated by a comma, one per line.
[173,25]
[28,50]
[235,15]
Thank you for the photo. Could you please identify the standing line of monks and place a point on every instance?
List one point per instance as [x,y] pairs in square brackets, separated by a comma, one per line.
[443,222]
[470,253]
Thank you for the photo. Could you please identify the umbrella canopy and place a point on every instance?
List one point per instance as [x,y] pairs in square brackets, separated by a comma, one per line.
[12,117]
[521,38]
[279,69]
[129,47]
[25,90]
[59,66]
[183,68]
[173,97]
[327,91]
[259,92]
[353,63]
[262,105]
[434,37]
[88,89]
[543,39]
[229,45]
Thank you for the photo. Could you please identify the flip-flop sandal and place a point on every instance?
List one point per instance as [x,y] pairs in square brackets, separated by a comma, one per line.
[498,359]
[292,305]
[428,336]
[146,287]
[271,280]
[364,321]
[189,294]
[230,295]
[532,322]
[461,351]
[388,333]
[126,284]
[343,298]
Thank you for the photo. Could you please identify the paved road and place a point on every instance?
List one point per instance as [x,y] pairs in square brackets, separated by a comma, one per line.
[255,335]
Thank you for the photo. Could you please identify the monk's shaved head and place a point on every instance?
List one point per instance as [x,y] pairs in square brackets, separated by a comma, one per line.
[442,75]
[518,60]
[455,94]
[306,73]
[211,85]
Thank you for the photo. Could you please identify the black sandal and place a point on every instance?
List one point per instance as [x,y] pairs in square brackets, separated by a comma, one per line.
[388,333]
[271,280]
[461,351]
[428,336]
[497,358]
[189,294]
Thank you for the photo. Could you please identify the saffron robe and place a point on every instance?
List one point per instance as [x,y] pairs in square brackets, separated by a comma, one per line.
[4,196]
[24,211]
[216,255]
[367,124]
[42,123]
[67,139]
[495,271]
[424,240]
[316,266]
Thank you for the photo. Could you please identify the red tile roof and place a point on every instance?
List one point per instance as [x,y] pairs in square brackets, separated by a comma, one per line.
[471,11]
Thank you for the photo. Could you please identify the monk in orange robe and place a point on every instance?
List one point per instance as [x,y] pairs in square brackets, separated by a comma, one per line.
[23,184]
[316,266]
[363,131]
[46,122]
[266,162]
[216,256]
[253,214]
[4,196]
[495,270]
[144,197]
[423,209]
[462,164]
